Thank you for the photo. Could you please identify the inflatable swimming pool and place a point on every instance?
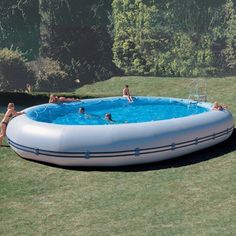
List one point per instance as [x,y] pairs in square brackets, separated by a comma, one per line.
[59,134]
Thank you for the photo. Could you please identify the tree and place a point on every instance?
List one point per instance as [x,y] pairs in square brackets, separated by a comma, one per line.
[50,76]
[166,37]
[230,49]
[134,39]
[19,26]
[75,34]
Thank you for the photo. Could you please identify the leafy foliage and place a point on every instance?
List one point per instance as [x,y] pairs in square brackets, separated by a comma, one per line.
[14,73]
[76,35]
[174,38]
[51,77]
[92,40]
[230,49]
[19,26]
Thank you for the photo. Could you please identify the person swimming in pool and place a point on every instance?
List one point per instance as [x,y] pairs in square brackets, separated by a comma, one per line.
[108,117]
[82,110]
[86,115]
[10,113]
[126,93]
[55,99]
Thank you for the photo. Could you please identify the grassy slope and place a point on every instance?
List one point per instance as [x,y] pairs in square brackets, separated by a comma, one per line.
[191,195]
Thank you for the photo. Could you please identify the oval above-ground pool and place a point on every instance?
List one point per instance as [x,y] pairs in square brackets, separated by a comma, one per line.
[147,130]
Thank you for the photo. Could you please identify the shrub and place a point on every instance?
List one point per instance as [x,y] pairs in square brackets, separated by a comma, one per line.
[50,76]
[14,72]
[24,99]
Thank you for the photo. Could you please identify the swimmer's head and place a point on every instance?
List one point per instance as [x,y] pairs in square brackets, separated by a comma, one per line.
[81,110]
[108,117]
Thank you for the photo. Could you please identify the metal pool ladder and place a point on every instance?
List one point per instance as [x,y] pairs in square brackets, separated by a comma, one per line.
[198,90]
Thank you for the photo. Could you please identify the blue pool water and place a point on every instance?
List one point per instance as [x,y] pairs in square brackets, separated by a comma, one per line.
[143,109]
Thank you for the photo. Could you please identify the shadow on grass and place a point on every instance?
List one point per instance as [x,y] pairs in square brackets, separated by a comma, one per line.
[216,151]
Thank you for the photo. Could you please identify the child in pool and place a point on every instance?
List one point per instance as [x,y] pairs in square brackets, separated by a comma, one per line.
[108,117]
[86,115]
[82,110]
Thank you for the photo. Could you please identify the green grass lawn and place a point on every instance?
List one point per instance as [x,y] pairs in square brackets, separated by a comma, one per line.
[190,195]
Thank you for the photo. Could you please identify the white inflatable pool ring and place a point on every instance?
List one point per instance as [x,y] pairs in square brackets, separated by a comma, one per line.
[117,145]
